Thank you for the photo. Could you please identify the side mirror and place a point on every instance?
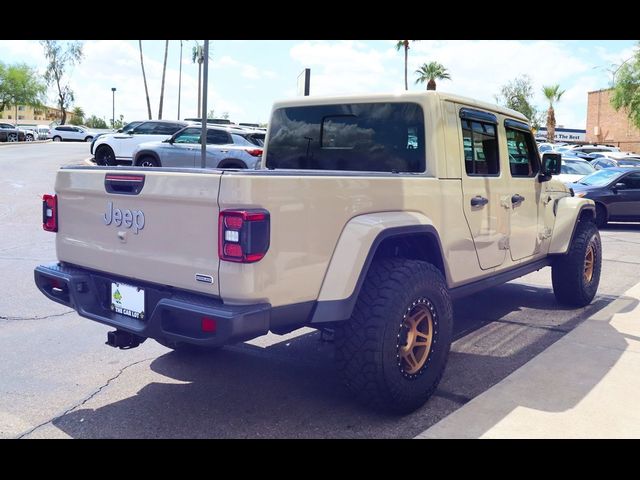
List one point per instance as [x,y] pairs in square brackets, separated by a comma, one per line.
[619,186]
[551,164]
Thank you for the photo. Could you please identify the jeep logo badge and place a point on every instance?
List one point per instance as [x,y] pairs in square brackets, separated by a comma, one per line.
[130,218]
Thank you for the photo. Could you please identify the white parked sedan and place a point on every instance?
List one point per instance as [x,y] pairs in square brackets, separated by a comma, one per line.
[71,133]
[574,169]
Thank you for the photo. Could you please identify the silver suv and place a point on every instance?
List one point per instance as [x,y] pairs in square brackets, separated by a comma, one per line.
[227,147]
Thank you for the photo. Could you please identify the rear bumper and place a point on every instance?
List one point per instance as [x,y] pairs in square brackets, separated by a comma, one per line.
[175,315]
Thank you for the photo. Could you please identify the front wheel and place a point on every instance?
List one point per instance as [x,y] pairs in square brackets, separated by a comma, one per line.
[148,161]
[29,138]
[105,156]
[12,137]
[57,139]
[393,351]
[576,275]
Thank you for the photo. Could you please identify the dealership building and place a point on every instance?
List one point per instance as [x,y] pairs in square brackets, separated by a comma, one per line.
[606,125]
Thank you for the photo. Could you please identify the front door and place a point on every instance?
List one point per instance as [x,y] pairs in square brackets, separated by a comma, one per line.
[525,191]
[483,186]
[625,198]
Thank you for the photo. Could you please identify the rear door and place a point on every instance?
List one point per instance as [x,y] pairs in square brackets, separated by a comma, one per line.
[154,226]
[484,186]
[525,189]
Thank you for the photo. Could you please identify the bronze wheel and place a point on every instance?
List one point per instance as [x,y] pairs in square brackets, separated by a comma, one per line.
[589,260]
[415,338]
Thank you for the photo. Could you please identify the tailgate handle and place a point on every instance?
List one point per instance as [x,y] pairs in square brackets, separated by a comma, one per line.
[124,184]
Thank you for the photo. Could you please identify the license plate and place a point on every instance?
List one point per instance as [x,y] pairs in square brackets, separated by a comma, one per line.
[127,300]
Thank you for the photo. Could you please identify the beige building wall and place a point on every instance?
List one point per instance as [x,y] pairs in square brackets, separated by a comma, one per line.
[606,125]
[30,116]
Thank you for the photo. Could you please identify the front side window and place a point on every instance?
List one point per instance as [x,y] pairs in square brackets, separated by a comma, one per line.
[480,145]
[189,135]
[631,181]
[371,137]
[523,159]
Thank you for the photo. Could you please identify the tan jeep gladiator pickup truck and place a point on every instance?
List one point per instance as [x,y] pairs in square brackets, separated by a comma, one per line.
[369,215]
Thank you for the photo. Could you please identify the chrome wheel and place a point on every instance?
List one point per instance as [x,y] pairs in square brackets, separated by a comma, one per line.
[12,137]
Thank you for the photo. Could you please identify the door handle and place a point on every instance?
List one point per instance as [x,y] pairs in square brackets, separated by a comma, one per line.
[224,151]
[479,201]
[517,198]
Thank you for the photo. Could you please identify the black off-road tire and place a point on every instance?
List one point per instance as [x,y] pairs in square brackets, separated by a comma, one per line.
[601,215]
[368,346]
[572,285]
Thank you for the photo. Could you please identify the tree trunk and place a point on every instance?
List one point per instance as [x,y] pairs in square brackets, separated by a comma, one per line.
[199,85]
[64,112]
[431,85]
[406,59]
[144,77]
[551,125]
[164,71]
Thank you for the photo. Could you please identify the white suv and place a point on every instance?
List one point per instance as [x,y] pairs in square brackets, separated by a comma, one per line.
[71,133]
[112,148]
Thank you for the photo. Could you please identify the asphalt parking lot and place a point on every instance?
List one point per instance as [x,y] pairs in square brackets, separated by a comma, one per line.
[58,379]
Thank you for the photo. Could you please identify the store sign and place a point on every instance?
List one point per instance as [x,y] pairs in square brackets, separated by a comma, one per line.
[565,135]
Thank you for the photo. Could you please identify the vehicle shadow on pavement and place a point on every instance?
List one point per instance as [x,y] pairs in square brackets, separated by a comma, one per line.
[291,389]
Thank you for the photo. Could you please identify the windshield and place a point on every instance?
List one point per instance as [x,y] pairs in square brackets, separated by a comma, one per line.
[576,168]
[600,178]
[629,163]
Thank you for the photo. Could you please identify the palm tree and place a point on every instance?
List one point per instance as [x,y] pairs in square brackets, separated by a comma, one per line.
[144,77]
[164,71]
[430,72]
[404,44]
[78,113]
[553,94]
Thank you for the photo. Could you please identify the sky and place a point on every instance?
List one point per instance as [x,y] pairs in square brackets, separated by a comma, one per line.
[247,76]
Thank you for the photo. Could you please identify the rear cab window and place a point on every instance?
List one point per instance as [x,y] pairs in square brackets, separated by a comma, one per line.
[373,137]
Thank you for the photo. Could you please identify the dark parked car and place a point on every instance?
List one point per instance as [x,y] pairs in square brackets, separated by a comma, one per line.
[615,190]
[9,133]
[608,162]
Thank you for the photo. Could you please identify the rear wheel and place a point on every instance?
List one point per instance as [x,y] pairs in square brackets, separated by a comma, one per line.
[105,156]
[232,164]
[393,351]
[576,275]
[148,161]
[29,138]
[12,137]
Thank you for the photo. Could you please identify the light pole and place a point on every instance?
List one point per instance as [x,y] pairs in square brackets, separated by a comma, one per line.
[113,107]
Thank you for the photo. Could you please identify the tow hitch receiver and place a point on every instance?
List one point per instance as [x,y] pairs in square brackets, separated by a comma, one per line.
[123,340]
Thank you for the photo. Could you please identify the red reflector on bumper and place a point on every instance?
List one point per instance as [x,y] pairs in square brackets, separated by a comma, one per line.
[209,325]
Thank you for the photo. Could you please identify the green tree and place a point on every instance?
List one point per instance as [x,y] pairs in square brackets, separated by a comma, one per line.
[430,72]
[626,88]
[225,115]
[164,71]
[20,85]
[404,44]
[78,116]
[518,95]
[95,122]
[212,113]
[118,123]
[198,56]
[553,94]
[60,57]
[144,77]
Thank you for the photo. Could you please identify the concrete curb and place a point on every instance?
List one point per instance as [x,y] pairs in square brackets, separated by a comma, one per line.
[89,161]
[583,386]
[2,144]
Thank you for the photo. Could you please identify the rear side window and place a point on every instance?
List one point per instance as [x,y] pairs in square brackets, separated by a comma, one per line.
[480,148]
[523,158]
[373,137]
[166,128]
[218,137]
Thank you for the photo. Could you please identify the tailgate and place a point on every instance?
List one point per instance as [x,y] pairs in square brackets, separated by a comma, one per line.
[153,225]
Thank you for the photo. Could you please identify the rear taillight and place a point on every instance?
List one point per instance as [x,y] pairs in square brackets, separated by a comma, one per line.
[243,235]
[50,213]
[256,152]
